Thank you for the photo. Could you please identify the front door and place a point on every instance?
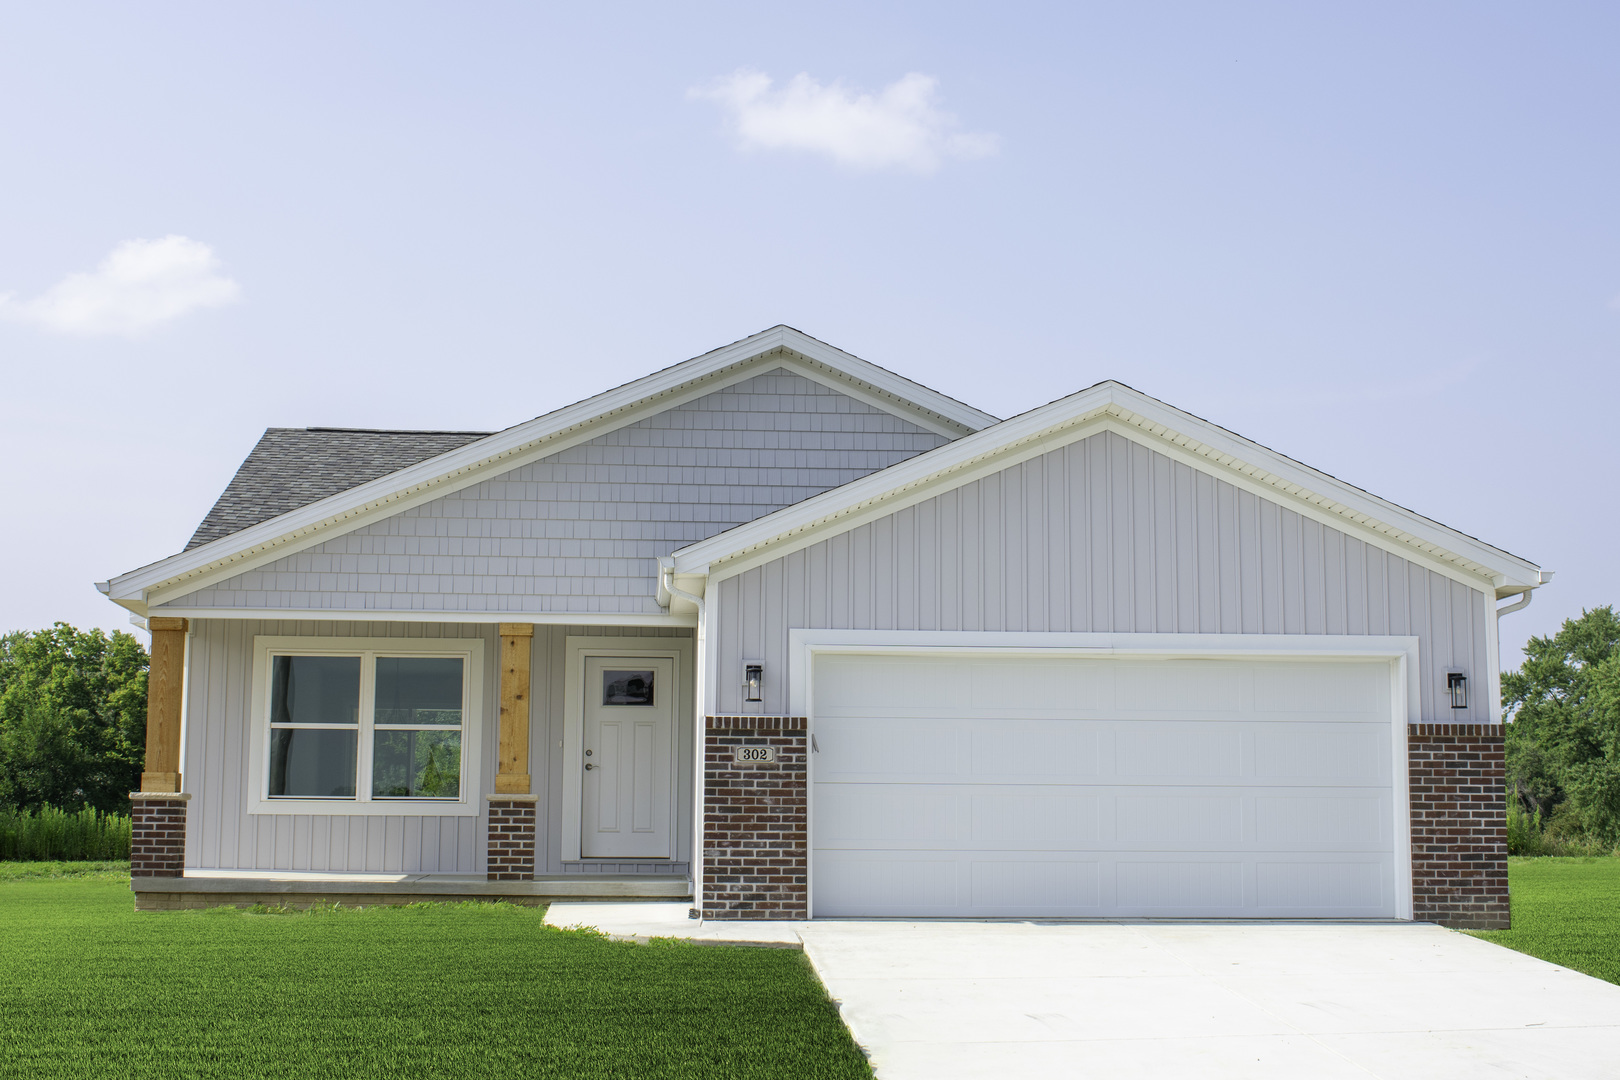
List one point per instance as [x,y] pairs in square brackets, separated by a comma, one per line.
[629,741]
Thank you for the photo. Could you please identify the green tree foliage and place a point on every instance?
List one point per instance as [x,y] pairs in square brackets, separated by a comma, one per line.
[72,719]
[1563,739]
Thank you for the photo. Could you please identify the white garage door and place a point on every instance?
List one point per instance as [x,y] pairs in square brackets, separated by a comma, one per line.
[1012,785]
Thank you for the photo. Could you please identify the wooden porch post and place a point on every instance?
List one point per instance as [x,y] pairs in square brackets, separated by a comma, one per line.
[165,684]
[512,769]
[509,855]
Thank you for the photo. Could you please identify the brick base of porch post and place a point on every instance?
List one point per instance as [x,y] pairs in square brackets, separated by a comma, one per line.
[511,838]
[157,843]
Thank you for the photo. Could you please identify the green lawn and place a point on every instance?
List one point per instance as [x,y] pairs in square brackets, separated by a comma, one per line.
[1566,911]
[88,988]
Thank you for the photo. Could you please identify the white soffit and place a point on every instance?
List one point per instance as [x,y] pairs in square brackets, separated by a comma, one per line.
[780,346]
[1112,405]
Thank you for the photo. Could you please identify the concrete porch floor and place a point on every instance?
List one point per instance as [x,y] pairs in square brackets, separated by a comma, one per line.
[1251,1000]
[245,888]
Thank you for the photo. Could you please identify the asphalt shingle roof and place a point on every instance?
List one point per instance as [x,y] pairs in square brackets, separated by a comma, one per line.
[293,467]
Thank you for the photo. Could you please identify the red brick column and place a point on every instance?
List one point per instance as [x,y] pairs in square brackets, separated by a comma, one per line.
[1459,825]
[755,833]
[157,846]
[511,838]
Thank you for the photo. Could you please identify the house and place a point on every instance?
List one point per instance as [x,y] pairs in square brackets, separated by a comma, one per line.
[789,634]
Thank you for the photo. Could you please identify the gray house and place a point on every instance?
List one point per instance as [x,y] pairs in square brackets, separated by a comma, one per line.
[788,634]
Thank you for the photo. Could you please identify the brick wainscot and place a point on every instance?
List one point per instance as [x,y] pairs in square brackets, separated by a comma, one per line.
[755,833]
[1459,825]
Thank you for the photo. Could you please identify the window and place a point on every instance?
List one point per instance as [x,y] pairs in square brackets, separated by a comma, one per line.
[375,725]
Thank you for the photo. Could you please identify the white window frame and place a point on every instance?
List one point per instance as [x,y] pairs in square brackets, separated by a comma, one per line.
[471,653]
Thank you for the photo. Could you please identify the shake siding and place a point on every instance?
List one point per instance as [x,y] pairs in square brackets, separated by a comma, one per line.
[1103,535]
[216,770]
[582,530]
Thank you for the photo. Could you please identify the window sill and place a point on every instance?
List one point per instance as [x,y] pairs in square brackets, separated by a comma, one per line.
[381,808]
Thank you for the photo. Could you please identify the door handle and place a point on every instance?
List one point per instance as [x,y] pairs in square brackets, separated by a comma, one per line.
[589,766]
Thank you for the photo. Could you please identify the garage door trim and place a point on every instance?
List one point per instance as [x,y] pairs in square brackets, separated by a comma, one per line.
[1401,651]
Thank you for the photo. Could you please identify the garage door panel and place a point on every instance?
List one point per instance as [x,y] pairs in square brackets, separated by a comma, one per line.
[1181,885]
[1034,886]
[1321,753]
[1179,752]
[1342,690]
[1313,820]
[1329,887]
[1179,819]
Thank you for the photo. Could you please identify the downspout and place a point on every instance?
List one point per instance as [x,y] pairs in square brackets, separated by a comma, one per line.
[700,708]
[1529,594]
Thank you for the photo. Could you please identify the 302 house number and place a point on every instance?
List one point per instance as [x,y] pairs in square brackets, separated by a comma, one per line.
[754,753]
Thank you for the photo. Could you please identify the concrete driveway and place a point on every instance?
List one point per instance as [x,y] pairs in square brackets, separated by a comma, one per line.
[948,1001]
[1301,1001]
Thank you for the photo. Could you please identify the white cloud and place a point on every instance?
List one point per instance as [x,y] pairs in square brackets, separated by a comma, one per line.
[899,127]
[140,285]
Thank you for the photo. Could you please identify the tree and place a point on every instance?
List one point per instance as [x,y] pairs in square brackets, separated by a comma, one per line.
[1563,735]
[72,718]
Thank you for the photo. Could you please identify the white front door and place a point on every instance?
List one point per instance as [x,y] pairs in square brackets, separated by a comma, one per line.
[629,735]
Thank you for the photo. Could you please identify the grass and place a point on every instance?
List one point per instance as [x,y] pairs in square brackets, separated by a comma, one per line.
[88,988]
[1566,911]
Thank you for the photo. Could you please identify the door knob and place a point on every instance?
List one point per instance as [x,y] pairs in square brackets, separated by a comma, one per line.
[589,766]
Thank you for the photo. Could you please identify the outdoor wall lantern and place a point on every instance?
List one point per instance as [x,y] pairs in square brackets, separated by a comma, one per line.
[753,679]
[1457,683]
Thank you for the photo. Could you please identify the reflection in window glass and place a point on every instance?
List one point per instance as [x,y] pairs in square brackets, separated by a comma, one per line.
[315,690]
[627,688]
[312,763]
[416,764]
[419,690]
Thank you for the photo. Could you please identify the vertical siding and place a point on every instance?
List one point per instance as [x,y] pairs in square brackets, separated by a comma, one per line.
[224,835]
[1103,535]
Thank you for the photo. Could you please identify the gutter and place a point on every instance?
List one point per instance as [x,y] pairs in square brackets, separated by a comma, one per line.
[1528,595]
[667,589]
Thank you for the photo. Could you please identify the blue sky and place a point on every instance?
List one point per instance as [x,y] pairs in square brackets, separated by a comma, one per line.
[1383,239]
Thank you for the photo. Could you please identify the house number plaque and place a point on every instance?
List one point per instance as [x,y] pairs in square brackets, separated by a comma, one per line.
[749,754]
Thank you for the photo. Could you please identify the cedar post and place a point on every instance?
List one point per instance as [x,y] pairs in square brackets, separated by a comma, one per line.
[509,855]
[512,768]
[165,684]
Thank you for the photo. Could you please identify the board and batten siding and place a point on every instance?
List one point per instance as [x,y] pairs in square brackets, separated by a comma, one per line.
[1104,535]
[582,530]
[223,835]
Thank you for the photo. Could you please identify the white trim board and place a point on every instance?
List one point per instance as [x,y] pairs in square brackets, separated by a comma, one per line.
[470,802]
[1400,651]
[1115,407]
[685,620]
[575,650]
[542,437]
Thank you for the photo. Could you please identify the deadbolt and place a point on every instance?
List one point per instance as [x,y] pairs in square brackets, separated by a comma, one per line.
[587,753]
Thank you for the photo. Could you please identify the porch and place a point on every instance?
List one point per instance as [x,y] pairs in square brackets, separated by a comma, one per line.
[246,888]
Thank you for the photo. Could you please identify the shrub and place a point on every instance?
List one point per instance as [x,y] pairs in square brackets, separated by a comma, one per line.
[49,833]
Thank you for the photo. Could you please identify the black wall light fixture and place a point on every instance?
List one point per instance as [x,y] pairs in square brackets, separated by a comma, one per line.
[1457,685]
[753,682]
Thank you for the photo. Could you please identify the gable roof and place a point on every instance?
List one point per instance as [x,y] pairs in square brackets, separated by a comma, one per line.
[1113,405]
[453,469]
[293,467]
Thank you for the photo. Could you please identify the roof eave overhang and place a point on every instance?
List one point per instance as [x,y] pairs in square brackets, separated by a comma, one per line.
[247,548]
[1134,413]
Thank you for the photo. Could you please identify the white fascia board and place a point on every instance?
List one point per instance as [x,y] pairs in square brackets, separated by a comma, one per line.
[1183,435]
[894,390]
[538,618]
[505,450]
